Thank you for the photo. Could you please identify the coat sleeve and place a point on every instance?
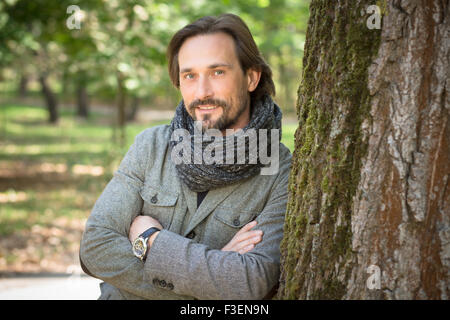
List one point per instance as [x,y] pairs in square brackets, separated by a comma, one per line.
[105,250]
[190,268]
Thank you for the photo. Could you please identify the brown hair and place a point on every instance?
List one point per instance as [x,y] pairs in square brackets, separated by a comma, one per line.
[246,49]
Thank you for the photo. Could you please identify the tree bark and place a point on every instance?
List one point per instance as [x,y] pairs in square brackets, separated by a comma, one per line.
[134,107]
[121,104]
[82,100]
[23,86]
[50,99]
[369,187]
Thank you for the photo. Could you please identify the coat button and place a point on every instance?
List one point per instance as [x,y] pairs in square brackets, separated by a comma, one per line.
[170,286]
[163,283]
[154,199]
[191,235]
[236,222]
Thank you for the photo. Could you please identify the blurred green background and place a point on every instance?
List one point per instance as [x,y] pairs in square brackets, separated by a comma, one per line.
[73,99]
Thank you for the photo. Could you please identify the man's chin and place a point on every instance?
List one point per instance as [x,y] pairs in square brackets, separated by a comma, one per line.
[208,123]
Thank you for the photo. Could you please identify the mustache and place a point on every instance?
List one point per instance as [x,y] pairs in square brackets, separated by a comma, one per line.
[210,101]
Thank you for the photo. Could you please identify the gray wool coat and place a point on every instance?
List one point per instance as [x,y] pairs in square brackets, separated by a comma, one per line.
[185,260]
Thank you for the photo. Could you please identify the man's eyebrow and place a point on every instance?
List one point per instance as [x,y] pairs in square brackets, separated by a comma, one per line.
[216,65]
[211,66]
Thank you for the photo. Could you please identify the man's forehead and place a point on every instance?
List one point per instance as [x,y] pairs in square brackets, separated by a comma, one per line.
[207,51]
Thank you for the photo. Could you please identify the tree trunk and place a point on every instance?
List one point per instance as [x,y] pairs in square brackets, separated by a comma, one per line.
[368,214]
[121,103]
[23,86]
[133,108]
[82,100]
[50,99]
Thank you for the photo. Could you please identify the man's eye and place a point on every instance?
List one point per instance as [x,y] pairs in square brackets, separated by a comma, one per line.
[189,76]
[218,72]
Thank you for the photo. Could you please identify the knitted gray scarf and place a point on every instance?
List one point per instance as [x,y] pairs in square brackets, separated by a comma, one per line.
[202,177]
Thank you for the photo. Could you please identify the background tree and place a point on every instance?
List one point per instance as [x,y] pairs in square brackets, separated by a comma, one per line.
[369,187]
[117,57]
[33,36]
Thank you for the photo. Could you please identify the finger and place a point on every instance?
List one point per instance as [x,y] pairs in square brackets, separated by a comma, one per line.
[242,235]
[240,240]
[246,249]
[236,243]
[248,226]
[248,242]
[247,235]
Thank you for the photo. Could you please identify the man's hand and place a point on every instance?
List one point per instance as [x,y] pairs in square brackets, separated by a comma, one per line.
[142,223]
[245,239]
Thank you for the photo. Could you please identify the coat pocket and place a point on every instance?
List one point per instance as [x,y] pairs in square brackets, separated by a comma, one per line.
[226,223]
[158,204]
[234,217]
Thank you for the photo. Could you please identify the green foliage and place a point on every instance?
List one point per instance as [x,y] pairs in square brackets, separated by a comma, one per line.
[125,41]
[287,135]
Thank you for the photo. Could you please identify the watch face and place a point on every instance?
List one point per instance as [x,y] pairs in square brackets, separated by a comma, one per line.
[139,247]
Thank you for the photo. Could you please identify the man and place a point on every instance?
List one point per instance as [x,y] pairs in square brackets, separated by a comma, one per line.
[181,230]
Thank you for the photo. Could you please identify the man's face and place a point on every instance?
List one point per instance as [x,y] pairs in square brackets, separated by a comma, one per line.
[215,90]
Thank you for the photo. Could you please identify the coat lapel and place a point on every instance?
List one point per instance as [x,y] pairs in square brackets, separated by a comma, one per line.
[190,197]
[212,200]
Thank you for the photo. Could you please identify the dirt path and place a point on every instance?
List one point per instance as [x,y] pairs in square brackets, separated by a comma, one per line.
[50,287]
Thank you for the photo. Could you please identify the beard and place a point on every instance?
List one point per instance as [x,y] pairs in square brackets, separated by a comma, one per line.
[228,118]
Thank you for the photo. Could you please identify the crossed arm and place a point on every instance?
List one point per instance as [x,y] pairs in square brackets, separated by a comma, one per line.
[240,270]
[243,241]
[234,272]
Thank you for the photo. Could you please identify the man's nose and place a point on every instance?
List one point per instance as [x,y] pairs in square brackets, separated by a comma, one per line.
[204,88]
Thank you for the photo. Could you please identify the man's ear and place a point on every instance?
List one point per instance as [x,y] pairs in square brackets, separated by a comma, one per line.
[253,77]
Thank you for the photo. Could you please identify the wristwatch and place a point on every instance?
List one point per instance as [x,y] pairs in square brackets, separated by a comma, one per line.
[140,244]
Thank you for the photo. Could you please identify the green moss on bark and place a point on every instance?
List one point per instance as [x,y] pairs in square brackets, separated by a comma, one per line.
[332,104]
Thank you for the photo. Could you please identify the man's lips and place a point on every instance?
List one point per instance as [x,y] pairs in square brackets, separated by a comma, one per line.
[206,108]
